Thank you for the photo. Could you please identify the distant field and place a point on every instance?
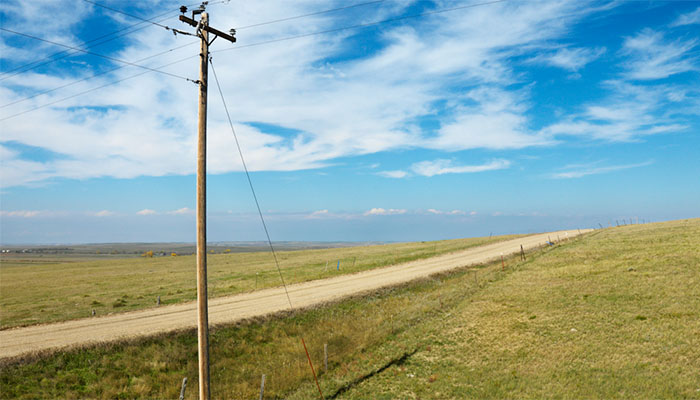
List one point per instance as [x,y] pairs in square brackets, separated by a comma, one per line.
[49,288]
[615,314]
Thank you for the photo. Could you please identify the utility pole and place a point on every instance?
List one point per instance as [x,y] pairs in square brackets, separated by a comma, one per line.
[203,31]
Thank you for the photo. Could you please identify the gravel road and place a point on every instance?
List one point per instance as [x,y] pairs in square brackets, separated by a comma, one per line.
[18,341]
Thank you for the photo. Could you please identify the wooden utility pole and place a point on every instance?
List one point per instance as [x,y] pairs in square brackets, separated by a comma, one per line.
[203,30]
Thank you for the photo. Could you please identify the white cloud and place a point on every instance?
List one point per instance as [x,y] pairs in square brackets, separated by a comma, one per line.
[472,213]
[440,167]
[147,211]
[578,171]
[181,211]
[320,214]
[146,125]
[393,174]
[20,213]
[572,59]
[653,57]
[438,212]
[690,18]
[381,211]
[628,112]
[103,213]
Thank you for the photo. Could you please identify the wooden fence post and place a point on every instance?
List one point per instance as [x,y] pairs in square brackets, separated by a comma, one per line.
[262,387]
[182,390]
[325,357]
[522,252]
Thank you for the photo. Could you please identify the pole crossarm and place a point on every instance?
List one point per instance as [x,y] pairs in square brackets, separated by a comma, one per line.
[208,28]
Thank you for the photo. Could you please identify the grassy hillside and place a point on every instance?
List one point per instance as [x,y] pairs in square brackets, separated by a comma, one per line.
[51,291]
[615,314]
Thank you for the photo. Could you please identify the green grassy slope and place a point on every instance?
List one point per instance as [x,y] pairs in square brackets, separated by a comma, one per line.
[615,314]
[56,291]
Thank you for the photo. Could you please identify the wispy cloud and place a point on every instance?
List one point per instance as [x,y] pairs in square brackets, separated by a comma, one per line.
[103,213]
[181,211]
[572,59]
[443,166]
[394,174]
[579,171]
[651,56]
[453,212]
[146,211]
[382,211]
[20,213]
[317,99]
[690,18]
[628,112]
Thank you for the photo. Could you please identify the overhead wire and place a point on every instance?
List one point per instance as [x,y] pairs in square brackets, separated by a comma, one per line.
[96,54]
[93,76]
[262,218]
[310,14]
[94,89]
[268,42]
[364,25]
[67,53]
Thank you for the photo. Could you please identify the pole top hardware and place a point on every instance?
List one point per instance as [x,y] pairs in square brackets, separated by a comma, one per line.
[191,21]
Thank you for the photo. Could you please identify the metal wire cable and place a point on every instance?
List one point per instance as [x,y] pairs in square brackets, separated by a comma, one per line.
[261,44]
[93,76]
[94,89]
[310,14]
[250,182]
[384,21]
[262,219]
[97,54]
[67,53]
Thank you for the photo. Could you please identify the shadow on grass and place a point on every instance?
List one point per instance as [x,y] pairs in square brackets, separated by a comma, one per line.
[360,379]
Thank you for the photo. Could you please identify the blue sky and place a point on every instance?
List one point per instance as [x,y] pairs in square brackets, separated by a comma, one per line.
[511,116]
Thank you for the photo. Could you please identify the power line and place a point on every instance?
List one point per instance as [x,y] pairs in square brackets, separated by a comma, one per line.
[127,14]
[93,76]
[145,20]
[250,182]
[311,14]
[261,44]
[94,89]
[368,24]
[96,54]
[67,53]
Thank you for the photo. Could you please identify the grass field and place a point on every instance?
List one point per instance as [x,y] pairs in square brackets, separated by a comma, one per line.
[615,314]
[55,290]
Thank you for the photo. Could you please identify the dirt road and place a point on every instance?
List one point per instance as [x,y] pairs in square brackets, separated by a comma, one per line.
[19,341]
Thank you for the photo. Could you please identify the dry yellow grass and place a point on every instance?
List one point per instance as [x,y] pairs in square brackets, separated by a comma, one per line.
[50,292]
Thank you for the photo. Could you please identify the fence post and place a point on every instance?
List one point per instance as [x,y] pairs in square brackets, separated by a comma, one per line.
[158,302]
[522,252]
[262,387]
[182,390]
[325,357]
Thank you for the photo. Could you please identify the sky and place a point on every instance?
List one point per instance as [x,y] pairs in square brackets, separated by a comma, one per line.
[449,119]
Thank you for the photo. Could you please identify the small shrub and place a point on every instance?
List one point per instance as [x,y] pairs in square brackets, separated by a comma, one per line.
[119,303]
